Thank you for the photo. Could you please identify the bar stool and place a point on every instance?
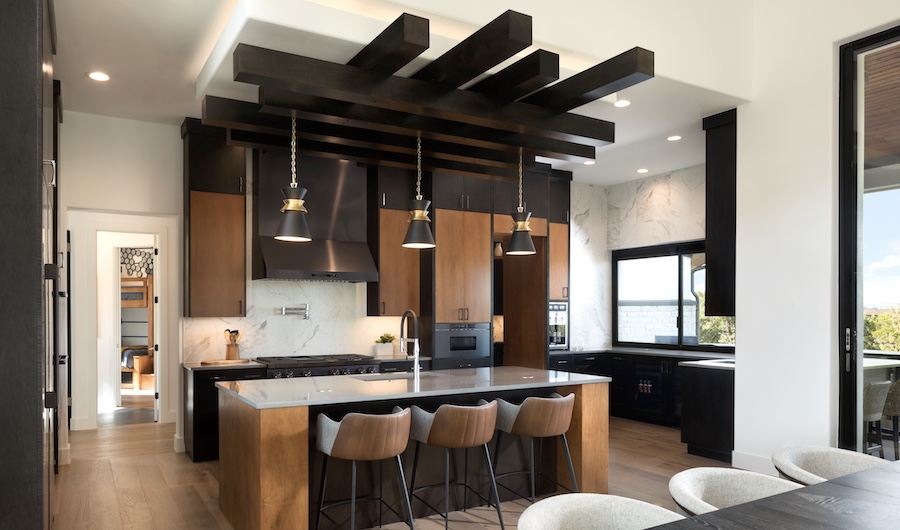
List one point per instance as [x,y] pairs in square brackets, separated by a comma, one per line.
[892,410]
[365,437]
[874,396]
[536,417]
[455,427]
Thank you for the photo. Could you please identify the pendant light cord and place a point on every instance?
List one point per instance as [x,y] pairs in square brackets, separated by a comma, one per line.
[293,152]
[419,169]
[521,208]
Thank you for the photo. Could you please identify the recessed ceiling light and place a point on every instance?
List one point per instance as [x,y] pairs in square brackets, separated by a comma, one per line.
[643,170]
[97,76]
[622,103]
[589,162]
[674,138]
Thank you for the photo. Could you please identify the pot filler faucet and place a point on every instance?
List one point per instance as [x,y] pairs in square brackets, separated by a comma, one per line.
[414,339]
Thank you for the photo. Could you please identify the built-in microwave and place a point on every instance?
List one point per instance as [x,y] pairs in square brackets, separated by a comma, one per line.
[462,340]
[558,325]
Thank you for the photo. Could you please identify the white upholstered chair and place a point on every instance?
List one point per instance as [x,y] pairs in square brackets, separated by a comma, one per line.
[809,464]
[706,489]
[593,511]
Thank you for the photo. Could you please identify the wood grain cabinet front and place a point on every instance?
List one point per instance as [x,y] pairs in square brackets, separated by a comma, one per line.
[397,288]
[462,266]
[559,261]
[216,276]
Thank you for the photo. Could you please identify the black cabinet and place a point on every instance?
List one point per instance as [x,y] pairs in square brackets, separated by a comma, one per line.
[210,164]
[461,362]
[707,419]
[534,193]
[560,184]
[560,361]
[721,203]
[201,408]
[455,192]
[391,187]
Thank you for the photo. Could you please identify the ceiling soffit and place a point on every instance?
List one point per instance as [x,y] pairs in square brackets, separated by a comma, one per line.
[362,111]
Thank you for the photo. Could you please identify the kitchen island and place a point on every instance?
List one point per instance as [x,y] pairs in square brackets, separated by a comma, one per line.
[264,429]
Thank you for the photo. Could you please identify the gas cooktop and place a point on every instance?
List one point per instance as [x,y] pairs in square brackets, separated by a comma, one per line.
[313,365]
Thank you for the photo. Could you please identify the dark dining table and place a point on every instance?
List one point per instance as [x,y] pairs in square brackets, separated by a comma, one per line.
[867,499]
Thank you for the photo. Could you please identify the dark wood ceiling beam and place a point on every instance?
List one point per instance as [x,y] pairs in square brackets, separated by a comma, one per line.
[401,42]
[336,112]
[522,77]
[244,116]
[367,156]
[314,77]
[494,43]
[620,72]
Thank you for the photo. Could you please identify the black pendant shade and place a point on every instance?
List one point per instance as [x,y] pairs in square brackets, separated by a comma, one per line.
[418,235]
[293,225]
[520,243]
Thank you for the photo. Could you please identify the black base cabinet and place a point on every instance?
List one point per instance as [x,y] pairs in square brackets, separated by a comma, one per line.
[201,408]
[707,422]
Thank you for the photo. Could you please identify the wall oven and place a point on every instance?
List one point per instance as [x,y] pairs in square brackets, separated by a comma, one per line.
[558,326]
[462,340]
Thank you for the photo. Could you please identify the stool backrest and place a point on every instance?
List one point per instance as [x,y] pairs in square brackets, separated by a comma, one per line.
[372,436]
[458,426]
[541,417]
[892,404]
[874,396]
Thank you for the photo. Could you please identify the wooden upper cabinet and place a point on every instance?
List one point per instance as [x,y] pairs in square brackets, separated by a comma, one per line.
[398,268]
[463,264]
[559,262]
[455,192]
[558,211]
[210,164]
[216,268]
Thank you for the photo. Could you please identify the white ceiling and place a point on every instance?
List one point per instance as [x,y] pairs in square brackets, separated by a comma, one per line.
[163,56]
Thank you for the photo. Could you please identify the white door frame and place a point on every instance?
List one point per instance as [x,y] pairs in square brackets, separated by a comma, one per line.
[85,226]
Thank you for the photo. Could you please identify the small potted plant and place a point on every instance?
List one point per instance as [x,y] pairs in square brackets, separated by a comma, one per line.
[384,346]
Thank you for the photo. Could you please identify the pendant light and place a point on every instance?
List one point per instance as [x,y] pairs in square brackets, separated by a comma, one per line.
[520,244]
[293,227]
[418,235]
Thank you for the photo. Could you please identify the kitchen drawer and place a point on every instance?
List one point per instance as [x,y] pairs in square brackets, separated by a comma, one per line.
[402,365]
[471,362]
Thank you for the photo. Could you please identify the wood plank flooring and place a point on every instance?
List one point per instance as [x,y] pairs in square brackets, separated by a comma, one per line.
[130,477]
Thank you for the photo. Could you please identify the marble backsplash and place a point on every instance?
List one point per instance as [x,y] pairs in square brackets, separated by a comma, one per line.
[337,322]
[589,317]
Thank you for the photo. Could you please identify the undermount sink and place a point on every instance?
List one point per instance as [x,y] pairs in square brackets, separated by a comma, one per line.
[403,375]
[223,362]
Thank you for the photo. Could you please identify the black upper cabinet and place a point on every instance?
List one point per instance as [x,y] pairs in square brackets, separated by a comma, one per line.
[455,192]
[210,164]
[721,219]
[395,186]
[559,197]
[534,193]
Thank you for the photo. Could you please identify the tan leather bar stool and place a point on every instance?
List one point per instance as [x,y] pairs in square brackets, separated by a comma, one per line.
[536,417]
[892,411]
[365,437]
[874,396]
[455,427]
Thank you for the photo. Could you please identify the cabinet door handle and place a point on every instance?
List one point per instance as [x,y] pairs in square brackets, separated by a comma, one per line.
[462,202]
[384,199]
[241,307]
[565,292]
[382,308]
[459,314]
[589,358]
[562,362]
[467,202]
[467,313]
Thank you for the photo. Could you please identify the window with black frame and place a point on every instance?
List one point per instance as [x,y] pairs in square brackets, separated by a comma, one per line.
[659,295]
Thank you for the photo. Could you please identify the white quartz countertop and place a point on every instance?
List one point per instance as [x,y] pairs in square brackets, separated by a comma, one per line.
[330,390]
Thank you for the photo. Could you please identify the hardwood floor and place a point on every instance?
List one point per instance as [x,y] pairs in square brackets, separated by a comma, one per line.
[130,477]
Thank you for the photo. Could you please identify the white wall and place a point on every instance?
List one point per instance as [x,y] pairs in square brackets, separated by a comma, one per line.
[786,380]
[119,176]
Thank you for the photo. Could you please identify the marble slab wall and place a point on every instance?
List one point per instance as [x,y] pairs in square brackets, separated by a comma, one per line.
[337,322]
[659,209]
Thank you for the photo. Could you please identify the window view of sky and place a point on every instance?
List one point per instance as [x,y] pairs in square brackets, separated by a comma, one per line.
[881,249]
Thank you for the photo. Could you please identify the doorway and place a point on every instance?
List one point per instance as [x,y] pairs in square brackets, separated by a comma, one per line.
[869,212]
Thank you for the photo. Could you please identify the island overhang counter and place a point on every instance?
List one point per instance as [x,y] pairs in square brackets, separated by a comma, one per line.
[264,434]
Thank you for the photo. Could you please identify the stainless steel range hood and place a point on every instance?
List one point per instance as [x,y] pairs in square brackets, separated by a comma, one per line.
[336,201]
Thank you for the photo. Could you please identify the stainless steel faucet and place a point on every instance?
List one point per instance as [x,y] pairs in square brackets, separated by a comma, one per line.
[414,339]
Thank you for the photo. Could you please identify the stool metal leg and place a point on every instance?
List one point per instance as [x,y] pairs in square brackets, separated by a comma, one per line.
[412,484]
[353,495]
[446,489]
[322,490]
[896,438]
[531,468]
[569,462]
[406,498]
[487,464]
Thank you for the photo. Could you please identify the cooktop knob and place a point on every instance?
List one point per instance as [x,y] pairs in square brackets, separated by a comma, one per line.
[345,371]
[371,369]
[289,373]
[335,371]
[306,373]
[361,370]
[277,375]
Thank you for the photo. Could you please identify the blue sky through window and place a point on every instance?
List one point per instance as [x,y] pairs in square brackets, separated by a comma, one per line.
[881,249]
